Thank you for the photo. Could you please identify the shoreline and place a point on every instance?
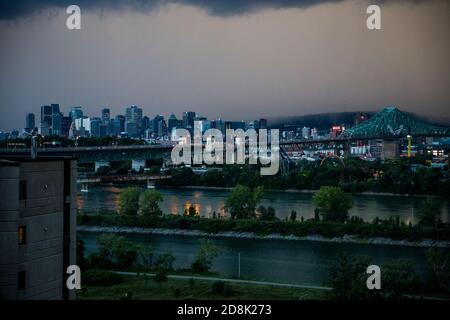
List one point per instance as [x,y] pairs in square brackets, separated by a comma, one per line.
[307,191]
[365,193]
[427,243]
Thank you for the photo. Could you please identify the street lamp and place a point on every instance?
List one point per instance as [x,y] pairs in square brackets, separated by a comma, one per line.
[409,137]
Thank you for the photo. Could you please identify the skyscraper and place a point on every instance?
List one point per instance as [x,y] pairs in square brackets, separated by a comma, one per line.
[262,123]
[145,123]
[105,115]
[159,126]
[76,113]
[65,125]
[133,121]
[172,122]
[30,122]
[188,119]
[121,121]
[95,126]
[46,115]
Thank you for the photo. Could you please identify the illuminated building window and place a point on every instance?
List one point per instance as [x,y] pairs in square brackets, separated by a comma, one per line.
[22,233]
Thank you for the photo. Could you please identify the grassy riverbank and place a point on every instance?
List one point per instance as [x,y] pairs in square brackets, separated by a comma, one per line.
[144,287]
[363,230]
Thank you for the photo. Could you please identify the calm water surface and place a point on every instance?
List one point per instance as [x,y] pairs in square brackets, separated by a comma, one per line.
[302,262]
[206,202]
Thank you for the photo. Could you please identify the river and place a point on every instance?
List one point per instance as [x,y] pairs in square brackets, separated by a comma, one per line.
[206,202]
[299,262]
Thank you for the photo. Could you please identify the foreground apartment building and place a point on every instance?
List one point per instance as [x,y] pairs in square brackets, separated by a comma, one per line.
[37,226]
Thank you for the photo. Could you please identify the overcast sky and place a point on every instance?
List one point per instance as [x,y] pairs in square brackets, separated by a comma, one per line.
[225,58]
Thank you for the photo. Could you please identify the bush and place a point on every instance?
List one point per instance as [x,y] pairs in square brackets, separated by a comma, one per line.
[218,287]
[333,203]
[129,201]
[101,278]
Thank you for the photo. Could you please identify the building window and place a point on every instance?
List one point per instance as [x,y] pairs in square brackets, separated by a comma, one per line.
[21,280]
[22,234]
[22,190]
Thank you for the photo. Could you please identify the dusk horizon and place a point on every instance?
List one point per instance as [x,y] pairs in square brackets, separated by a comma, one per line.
[308,57]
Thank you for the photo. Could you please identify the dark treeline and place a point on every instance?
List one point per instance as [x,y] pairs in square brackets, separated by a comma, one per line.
[352,175]
[328,229]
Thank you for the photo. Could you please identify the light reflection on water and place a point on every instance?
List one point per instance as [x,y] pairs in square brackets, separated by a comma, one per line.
[206,202]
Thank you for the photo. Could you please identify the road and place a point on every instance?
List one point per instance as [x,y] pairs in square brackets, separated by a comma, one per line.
[265,283]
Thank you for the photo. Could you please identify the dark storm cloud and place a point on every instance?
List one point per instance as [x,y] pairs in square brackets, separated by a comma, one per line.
[13,9]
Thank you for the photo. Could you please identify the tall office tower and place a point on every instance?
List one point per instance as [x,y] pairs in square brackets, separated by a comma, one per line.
[218,124]
[44,129]
[121,120]
[202,124]
[66,122]
[314,133]
[95,126]
[103,130]
[106,115]
[38,234]
[56,123]
[262,123]
[76,113]
[172,123]
[145,123]
[30,122]
[83,126]
[51,115]
[188,119]
[114,127]
[133,119]
[159,126]
[46,115]
[306,132]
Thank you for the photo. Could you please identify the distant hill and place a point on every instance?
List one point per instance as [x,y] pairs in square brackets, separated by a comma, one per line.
[324,121]
[321,121]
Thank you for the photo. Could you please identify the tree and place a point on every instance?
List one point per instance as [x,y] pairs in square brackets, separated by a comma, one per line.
[333,203]
[116,251]
[398,278]
[206,253]
[129,201]
[81,259]
[241,202]
[163,266]
[438,265]
[293,216]
[266,214]
[348,278]
[146,256]
[190,211]
[148,203]
[430,212]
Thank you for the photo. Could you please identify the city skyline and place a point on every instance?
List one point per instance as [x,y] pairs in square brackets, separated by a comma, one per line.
[235,62]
